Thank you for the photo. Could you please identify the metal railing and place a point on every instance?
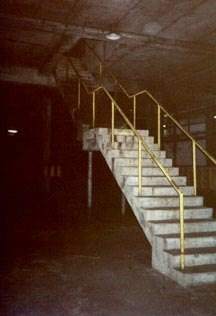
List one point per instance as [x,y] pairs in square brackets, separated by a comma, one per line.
[141,144]
[160,110]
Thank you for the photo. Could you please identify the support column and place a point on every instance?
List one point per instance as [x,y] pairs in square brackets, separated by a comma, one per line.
[47,141]
[90,181]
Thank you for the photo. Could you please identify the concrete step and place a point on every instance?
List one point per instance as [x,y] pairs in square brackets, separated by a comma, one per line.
[195,275]
[133,146]
[149,202]
[190,225]
[172,213]
[129,140]
[203,239]
[193,256]
[129,132]
[120,131]
[116,153]
[148,171]
[133,139]
[154,180]
[147,162]
[161,190]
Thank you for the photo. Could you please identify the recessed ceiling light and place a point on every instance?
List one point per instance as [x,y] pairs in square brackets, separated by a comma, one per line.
[113,36]
[164,125]
[214,116]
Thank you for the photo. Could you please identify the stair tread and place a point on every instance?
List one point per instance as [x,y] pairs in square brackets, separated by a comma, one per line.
[191,251]
[116,130]
[148,167]
[143,158]
[154,176]
[167,196]
[173,221]
[189,235]
[131,149]
[159,186]
[176,209]
[206,268]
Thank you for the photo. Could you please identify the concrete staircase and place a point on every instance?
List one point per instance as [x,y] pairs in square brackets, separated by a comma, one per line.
[66,78]
[84,74]
[157,209]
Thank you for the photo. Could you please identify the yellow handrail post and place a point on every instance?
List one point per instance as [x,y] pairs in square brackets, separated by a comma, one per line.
[139,167]
[181,215]
[194,168]
[79,94]
[93,109]
[112,123]
[134,111]
[159,125]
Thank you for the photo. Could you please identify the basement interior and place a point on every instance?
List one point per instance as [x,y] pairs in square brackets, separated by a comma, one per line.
[108,128]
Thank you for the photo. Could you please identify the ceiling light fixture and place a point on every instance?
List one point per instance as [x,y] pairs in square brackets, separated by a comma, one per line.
[214,117]
[12,131]
[113,36]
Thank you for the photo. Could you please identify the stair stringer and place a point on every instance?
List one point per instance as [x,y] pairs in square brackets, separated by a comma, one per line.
[106,151]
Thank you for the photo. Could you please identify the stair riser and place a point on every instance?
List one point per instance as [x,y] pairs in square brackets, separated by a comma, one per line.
[192,279]
[124,146]
[158,181]
[127,132]
[193,259]
[120,132]
[150,202]
[133,171]
[166,266]
[129,140]
[190,242]
[134,154]
[158,229]
[159,191]
[145,162]
[168,215]
[133,140]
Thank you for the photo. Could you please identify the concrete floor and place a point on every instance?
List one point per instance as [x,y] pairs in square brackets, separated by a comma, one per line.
[91,269]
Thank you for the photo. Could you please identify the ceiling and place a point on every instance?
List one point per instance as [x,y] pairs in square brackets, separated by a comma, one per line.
[164,44]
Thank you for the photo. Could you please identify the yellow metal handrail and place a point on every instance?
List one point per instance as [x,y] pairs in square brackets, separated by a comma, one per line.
[141,144]
[160,109]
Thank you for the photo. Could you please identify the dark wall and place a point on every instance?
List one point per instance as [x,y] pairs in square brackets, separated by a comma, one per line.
[49,186]
[21,109]
[29,160]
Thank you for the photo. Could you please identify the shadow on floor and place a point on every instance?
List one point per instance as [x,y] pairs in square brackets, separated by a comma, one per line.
[89,268]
